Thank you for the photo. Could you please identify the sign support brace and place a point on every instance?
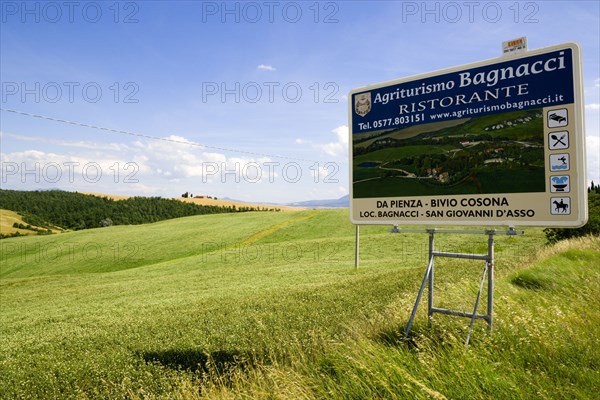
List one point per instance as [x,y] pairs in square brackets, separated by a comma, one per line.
[488,271]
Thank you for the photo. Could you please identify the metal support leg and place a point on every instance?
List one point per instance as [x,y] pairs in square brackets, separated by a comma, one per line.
[490,264]
[414,311]
[356,246]
[485,270]
[431,272]
[488,272]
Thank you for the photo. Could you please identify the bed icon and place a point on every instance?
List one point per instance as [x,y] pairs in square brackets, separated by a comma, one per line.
[558,118]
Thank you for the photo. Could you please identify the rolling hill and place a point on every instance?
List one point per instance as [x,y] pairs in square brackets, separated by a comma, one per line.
[268,305]
[206,201]
[72,210]
[8,220]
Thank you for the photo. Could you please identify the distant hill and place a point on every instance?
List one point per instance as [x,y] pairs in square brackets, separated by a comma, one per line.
[342,202]
[72,210]
[227,202]
[212,201]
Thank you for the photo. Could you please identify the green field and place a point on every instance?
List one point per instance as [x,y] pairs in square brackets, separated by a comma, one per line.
[529,130]
[500,180]
[489,181]
[394,153]
[404,133]
[269,306]
[394,186]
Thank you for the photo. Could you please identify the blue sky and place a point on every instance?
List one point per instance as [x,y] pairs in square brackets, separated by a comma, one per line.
[262,86]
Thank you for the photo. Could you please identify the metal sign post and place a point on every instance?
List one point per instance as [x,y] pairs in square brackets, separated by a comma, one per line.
[356,244]
[428,278]
[497,142]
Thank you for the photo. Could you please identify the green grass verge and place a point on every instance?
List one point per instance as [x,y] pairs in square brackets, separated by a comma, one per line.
[397,186]
[267,305]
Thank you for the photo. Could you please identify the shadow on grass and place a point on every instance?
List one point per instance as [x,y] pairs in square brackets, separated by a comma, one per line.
[440,336]
[394,337]
[531,280]
[220,362]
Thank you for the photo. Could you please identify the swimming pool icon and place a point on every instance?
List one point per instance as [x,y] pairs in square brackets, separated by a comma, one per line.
[559,162]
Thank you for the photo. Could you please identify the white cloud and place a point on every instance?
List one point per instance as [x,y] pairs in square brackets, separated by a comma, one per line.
[592,106]
[170,167]
[103,173]
[340,146]
[265,67]
[176,160]
[302,141]
[66,143]
[342,190]
[342,133]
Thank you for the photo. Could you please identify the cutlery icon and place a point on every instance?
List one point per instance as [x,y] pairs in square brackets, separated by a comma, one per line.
[558,139]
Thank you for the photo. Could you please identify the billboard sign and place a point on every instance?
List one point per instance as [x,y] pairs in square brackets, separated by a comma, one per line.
[499,142]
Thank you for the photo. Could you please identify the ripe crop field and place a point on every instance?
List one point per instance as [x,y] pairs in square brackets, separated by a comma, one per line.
[268,305]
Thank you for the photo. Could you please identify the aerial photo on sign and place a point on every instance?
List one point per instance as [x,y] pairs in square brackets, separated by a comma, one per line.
[498,153]
[488,138]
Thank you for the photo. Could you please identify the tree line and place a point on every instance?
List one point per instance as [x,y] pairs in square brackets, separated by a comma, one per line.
[72,210]
[592,227]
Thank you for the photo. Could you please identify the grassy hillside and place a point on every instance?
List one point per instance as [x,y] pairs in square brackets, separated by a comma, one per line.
[11,223]
[267,305]
[404,133]
[206,201]
[72,210]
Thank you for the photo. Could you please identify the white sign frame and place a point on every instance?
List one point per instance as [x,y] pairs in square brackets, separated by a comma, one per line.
[366,210]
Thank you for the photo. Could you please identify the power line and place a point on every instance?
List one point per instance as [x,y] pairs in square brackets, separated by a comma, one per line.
[141,135]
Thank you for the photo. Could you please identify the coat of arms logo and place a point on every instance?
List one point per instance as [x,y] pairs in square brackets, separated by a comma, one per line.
[362,103]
